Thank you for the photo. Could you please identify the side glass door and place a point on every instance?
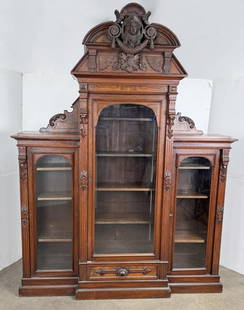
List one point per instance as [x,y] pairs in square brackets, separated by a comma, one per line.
[126,144]
[54,213]
[192,213]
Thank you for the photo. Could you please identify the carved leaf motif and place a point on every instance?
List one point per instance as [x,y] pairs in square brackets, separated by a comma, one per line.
[167,181]
[84,180]
[83,122]
[219,214]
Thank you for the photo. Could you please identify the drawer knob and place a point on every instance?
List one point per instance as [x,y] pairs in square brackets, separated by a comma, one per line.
[122,272]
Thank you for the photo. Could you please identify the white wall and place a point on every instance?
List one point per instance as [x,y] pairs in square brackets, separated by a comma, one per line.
[47,94]
[227,117]
[10,123]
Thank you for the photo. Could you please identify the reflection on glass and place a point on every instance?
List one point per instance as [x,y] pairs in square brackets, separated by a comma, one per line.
[192,205]
[54,213]
[126,138]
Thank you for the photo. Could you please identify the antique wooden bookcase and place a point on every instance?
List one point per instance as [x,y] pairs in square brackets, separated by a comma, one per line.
[122,198]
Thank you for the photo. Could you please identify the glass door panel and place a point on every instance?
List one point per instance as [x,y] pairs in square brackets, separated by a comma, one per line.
[54,213]
[192,207]
[126,143]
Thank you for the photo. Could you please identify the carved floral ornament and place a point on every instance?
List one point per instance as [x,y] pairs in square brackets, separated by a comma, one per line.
[131,32]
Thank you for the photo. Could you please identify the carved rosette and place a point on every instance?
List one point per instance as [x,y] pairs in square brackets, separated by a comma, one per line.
[224,164]
[219,214]
[84,180]
[131,32]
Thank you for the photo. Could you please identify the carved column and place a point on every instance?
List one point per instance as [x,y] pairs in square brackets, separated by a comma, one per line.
[23,174]
[167,220]
[224,160]
[83,175]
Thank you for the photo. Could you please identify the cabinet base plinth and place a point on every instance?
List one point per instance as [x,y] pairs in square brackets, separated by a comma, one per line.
[123,293]
[57,290]
[188,288]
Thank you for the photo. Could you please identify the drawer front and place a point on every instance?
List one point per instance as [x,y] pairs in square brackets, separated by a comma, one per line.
[122,271]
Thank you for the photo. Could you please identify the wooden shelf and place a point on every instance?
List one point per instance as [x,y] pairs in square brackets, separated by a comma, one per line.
[53,168]
[54,196]
[125,218]
[192,195]
[138,119]
[124,189]
[188,237]
[194,167]
[123,155]
[46,239]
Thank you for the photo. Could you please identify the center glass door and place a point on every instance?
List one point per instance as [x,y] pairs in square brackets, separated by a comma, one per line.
[126,144]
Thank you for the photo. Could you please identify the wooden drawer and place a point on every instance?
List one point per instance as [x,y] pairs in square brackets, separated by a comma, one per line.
[122,271]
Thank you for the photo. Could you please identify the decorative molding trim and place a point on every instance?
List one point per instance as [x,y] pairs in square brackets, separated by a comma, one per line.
[83,123]
[219,214]
[167,181]
[84,180]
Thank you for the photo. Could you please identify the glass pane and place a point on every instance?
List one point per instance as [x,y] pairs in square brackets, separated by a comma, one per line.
[192,205]
[54,213]
[126,138]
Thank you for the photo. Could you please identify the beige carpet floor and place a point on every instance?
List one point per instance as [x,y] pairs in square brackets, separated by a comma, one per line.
[231,299]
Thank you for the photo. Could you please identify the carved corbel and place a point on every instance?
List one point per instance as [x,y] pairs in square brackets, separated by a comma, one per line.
[172,93]
[224,164]
[22,164]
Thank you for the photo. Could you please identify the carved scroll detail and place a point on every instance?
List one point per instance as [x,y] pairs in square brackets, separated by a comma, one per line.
[53,119]
[84,180]
[83,123]
[167,181]
[219,214]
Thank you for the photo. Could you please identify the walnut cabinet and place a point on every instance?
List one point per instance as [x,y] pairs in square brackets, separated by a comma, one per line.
[122,197]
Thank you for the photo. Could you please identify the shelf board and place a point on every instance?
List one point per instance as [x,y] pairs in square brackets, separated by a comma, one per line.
[53,168]
[188,237]
[124,189]
[54,196]
[123,155]
[191,195]
[129,218]
[46,239]
[194,167]
[138,119]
